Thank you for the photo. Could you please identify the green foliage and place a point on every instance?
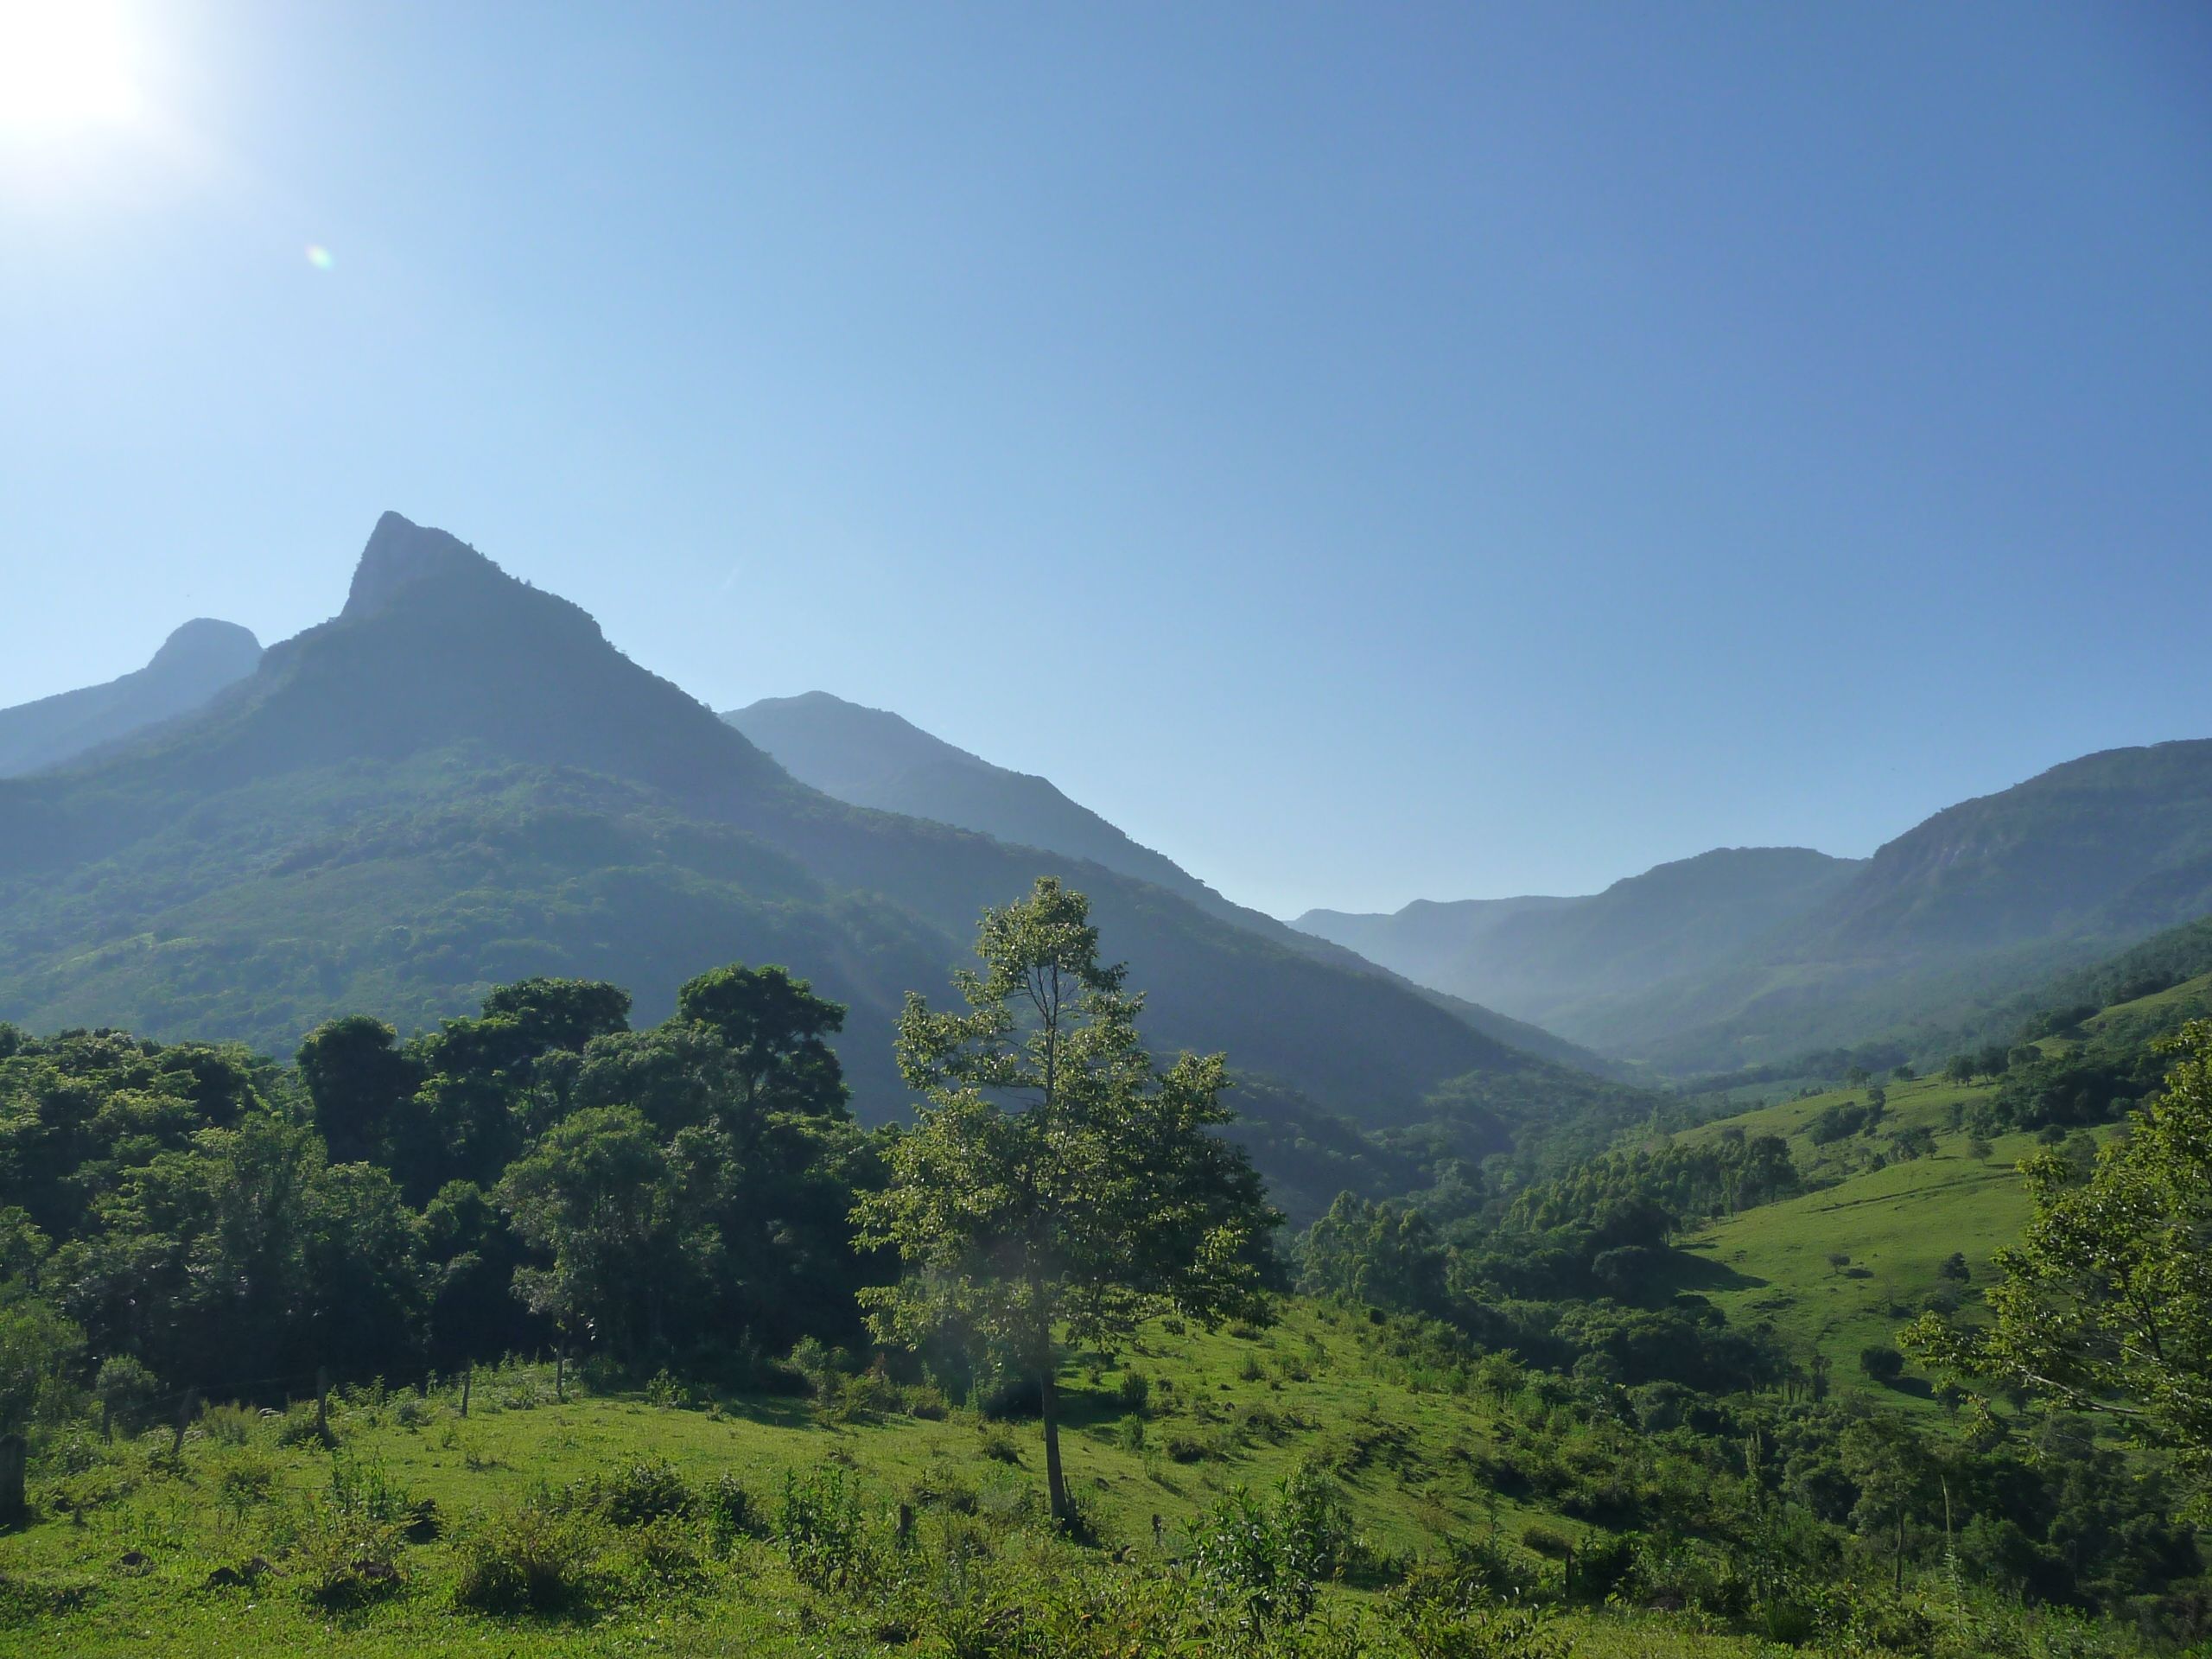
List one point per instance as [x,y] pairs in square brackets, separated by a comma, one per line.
[1096,1200]
[2102,1304]
[821,1531]
[526,1558]
[1262,1561]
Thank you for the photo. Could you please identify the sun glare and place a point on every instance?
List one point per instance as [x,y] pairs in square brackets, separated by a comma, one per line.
[64,64]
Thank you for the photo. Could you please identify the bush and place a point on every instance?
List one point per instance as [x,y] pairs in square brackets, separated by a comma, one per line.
[1881,1362]
[347,1557]
[525,1560]
[821,1531]
[729,1513]
[364,1487]
[1189,1448]
[1133,1390]
[1264,1561]
[645,1492]
[927,1401]
[129,1393]
[1548,1542]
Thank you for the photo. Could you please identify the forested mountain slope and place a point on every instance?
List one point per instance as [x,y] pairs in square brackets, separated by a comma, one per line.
[1544,958]
[871,757]
[1747,957]
[458,781]
[194,664]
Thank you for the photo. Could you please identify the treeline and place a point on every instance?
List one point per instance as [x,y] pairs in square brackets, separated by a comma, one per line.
[538,1176]
[1576,1275]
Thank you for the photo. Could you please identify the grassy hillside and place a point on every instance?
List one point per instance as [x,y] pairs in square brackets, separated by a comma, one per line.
[258,1539]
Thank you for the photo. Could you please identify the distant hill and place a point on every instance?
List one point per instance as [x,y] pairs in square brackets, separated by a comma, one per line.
[1747,956]
[194,664]
[458,781]
[871,757]
[1562,959]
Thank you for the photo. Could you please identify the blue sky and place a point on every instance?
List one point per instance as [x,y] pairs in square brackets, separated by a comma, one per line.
[1367,452]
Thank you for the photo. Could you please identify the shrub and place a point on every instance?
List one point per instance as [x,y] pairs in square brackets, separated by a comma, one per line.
[1881,1362]
[297,1426]
[1548,1542]
[646,1491]
[870,1394]
[129,1393]
[364,1487]
[661,1554]
[525,1560]
[1189,1448]
[1468,1626]
[1133,1390]
[1000,1446]
[1238,1562]
[244,1479]
[347,1557]
[927,1401]
[821,1528]
[230,1424]
[728,1512]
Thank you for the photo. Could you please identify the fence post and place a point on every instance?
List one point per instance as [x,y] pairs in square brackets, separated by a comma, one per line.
[323,1402]
[468,1375]
[905,1524]
[561,1374]
[183,1421]
[15,1452]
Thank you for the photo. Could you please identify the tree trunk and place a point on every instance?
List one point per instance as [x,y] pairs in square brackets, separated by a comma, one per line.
[1056,1486]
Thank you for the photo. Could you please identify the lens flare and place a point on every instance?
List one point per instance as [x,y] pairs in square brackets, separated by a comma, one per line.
[319,257]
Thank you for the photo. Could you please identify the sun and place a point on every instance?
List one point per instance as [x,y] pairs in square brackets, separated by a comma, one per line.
[64,64]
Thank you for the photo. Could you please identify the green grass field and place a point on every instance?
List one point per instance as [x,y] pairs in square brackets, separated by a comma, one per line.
[1896,1224]
[129,1550]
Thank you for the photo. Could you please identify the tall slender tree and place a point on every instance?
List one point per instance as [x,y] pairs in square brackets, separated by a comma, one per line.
[1057,1185]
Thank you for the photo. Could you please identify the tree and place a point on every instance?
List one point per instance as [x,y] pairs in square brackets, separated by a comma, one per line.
[1056,1182]
[361,1084]
[2105,1305]
[597,1195]
[777,1028]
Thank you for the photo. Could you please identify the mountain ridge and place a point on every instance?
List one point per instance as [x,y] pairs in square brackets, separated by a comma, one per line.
[1974,904]
[459,780]
[198,661]
[876,758]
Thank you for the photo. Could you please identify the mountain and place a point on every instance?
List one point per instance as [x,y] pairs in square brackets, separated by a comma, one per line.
[1563,960]
[195,663]
[871,757]
[1752,955]
[458,781]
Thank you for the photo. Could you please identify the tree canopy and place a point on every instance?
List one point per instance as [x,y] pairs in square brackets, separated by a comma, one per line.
[1057,1183]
